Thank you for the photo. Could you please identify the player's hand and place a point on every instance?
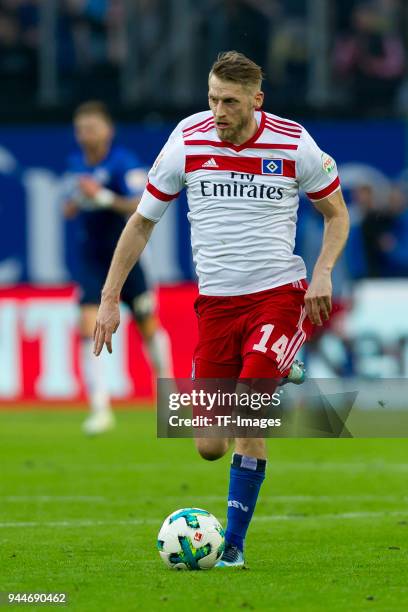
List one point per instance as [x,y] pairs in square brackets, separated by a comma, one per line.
[70,209]
[107,322]
[95,194]
[318,298]
[89,187]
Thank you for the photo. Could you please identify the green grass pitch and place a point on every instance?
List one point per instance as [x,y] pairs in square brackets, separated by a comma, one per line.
[82,515]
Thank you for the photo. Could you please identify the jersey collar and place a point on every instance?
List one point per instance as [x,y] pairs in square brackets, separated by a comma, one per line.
[252,140]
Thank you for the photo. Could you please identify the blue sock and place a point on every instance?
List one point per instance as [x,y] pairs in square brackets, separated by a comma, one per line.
[246,477]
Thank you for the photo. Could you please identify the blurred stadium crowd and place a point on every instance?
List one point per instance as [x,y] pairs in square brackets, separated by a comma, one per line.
[321,58]
[345,56]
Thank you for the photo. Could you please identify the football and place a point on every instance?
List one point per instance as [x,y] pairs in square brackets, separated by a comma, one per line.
[192,539]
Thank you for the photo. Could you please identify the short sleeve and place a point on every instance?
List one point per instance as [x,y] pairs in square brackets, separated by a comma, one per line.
[132,176]
[165,180]
[316,170]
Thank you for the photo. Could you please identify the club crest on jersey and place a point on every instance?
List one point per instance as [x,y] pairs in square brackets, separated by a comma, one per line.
[328,163]
[272,166]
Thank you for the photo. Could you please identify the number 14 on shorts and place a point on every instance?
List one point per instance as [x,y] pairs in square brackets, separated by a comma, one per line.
[278,347]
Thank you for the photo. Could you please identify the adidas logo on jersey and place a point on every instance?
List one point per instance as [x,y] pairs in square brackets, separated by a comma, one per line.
[210,163]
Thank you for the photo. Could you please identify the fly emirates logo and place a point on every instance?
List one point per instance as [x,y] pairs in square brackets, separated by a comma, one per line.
[241,186]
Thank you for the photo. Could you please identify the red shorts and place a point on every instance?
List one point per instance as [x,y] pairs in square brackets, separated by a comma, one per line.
[251,336]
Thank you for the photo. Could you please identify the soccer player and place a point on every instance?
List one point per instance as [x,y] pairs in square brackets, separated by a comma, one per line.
[242,168]
[108,181]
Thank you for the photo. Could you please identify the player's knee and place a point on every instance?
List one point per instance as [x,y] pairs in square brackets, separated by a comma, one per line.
[211,450]
[210,454]
[87,320]
[143,306]
[147,327]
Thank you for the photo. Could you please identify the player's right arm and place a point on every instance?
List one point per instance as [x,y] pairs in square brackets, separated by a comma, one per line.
[128,250]
[166,179]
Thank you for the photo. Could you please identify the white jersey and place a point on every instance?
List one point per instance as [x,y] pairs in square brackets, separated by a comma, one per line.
[242,200]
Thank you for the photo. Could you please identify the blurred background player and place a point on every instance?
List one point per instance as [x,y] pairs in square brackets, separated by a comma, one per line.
[107,182]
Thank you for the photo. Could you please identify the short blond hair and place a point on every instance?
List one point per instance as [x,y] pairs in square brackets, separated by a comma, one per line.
[236,67]
[93,107]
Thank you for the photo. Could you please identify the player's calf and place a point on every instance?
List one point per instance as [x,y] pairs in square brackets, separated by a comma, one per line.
[247,474]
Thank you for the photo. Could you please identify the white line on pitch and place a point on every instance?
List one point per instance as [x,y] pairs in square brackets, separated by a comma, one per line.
[200,498]
[343,515]
[280,466]
[77,523]
[370,466]
[298,498]
[52,498]
[265,518]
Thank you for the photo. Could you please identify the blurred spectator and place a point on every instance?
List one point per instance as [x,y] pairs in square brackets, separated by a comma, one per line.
[371,221]
[243,25]
[9,42]
[393,239]
[88,20]
[287,65]
[248,27]
[91,46]
[371,57]
[383,227]
[18,42]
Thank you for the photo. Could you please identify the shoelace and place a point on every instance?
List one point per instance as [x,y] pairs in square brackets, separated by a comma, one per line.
[231,553]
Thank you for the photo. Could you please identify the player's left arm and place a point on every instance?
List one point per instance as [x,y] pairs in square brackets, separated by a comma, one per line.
[318,298]
[106,198]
